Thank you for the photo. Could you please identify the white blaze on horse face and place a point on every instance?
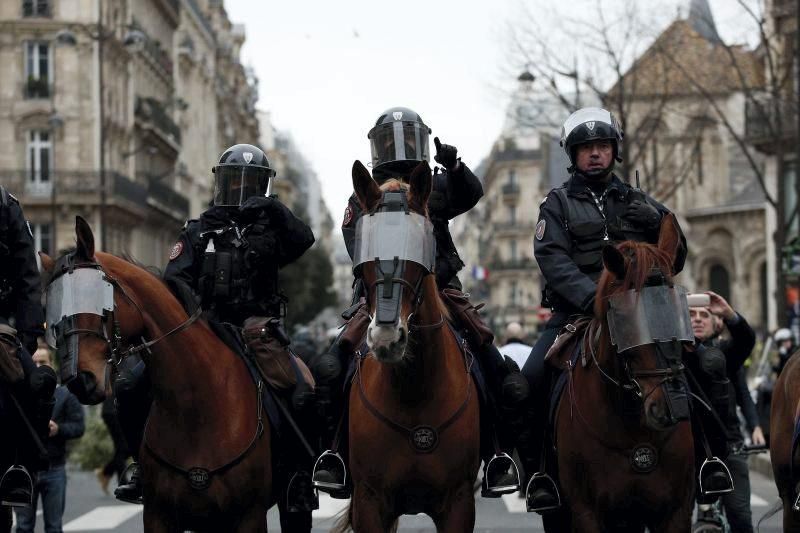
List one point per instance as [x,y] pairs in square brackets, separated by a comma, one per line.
[387,343]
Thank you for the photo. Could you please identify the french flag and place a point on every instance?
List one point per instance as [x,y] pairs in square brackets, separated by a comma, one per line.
[480,273]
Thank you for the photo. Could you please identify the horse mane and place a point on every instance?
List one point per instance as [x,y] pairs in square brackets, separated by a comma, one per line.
[154,270]
[395,185]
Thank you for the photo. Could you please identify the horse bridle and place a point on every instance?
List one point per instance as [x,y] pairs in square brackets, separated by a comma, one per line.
[418,296]
[117,351]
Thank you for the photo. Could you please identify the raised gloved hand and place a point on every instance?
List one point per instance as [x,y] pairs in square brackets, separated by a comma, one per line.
[268,206]
[446,155]
[642,214]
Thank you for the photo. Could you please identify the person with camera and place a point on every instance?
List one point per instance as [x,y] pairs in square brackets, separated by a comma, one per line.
[719,371]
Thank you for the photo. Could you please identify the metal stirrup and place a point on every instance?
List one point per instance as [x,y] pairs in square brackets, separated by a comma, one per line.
[322,485]
[20,474]
[712,463]
[541,479]
[503,489]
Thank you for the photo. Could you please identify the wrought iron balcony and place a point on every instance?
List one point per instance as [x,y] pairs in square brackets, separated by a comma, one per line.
[37,88]
[152,111]
[510,193]
[524,263]
[68,186]
[167,199]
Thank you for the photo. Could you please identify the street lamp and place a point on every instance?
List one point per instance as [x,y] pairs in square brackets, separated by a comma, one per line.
[134,41]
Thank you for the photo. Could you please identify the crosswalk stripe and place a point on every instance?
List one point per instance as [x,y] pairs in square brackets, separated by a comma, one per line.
[514,503]
[329,507]
[103,518]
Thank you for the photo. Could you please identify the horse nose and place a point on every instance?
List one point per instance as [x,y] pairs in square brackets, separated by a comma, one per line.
[85,388]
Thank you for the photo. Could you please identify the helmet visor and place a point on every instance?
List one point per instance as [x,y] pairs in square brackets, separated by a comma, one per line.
[234,184]
[399,141]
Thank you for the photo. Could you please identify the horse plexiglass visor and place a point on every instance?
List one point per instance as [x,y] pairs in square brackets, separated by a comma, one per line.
[386,235]
[81,291]
[652,315]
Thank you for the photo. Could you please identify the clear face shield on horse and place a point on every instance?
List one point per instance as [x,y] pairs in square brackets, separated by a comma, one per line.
[76,291]
[392,237]
[657,316]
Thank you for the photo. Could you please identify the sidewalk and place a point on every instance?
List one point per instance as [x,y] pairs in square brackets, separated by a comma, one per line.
[761,463]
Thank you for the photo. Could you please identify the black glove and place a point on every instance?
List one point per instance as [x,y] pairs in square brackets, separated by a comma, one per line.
[446,155]
[255,207]
[642,214]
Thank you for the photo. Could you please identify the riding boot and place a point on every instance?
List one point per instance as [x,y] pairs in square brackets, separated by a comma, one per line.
[132,399]
[330,470]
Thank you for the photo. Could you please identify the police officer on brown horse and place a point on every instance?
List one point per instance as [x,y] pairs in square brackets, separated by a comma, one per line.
[227,263]
[399,142]
[26,392]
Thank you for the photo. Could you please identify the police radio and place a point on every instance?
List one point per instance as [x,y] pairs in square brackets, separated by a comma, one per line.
[636,193]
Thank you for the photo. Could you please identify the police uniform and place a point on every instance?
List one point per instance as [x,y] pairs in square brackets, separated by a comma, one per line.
[21,308]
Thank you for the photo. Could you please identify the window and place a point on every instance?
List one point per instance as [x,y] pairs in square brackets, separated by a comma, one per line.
[40,162]
[35,8]
[512,215]
[513,245]
[719,281]
[512,176]
[38,69]
[512,292]
[698,148]
[42,240]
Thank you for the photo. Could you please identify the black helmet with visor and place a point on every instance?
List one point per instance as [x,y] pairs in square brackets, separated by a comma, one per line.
[399,140]
[243,171]
[591,124]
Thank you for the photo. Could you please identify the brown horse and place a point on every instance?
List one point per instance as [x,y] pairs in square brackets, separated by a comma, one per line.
[786,458]
[206,459]
[622,472]
[413,408]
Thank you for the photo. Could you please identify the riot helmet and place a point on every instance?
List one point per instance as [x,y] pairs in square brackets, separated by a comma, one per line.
[591,124]
[783,334]
[243,171]
[398,141]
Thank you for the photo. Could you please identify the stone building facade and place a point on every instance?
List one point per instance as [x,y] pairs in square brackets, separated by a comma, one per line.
[158,72]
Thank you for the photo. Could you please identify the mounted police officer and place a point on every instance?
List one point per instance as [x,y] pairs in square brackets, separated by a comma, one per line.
[398,143]
[26,392]
[227,263]
[592,209]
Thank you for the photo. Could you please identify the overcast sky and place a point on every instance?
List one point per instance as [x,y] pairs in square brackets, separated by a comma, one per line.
[328,69]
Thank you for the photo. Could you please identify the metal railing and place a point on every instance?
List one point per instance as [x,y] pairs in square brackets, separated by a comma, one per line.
[29,185]
[510,189]
[37,88]
[168,198]
[151,110]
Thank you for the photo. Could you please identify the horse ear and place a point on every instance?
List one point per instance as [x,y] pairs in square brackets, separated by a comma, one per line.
[47,262]
[669,236]
[614,262]
[366,189]
[85,239]
[421,185]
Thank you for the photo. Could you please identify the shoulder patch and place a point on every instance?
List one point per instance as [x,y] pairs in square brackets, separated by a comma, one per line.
[177,250]
[348,215]
[540,227]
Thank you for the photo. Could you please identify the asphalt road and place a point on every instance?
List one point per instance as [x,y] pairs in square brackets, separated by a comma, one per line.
[89,510]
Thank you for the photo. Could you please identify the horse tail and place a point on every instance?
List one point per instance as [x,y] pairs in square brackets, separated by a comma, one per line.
[344,522]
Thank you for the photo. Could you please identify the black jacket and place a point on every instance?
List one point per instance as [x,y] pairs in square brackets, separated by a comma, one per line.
[20,283]
[68,414]
[258,249]
[452,195]
[570,238]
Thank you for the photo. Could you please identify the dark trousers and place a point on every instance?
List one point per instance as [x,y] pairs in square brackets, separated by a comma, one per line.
[737,503]
[117,463]
[539,375]
[52,486]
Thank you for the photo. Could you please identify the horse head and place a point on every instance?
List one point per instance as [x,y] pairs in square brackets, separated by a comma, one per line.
[395,252]
[89,314]
[645,312]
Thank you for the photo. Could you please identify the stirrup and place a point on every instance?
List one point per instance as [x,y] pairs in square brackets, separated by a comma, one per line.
[20,479]
[796,506]
[540,480]
[328,486]
[500,463]
[715,464]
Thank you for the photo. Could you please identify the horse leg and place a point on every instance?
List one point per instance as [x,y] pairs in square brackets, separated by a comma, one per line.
[368,512]
[156,522]
[460,512]
[255,520]
[584,520]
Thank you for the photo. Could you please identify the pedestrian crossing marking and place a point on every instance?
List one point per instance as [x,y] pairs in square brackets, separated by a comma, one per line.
[329,507]
[514,503]
[104,517]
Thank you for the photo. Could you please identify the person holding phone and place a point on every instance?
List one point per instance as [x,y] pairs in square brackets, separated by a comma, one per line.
[718,368]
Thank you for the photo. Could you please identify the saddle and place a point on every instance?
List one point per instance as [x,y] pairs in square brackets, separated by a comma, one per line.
[561,352]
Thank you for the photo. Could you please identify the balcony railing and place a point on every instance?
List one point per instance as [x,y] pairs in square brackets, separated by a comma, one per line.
[36,8]
[56,185]
[169,199]
[37,88]
[762,123]
[151,110]
[510,188]
[525,263]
